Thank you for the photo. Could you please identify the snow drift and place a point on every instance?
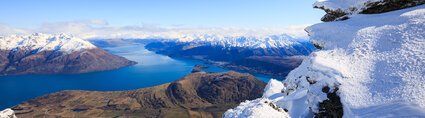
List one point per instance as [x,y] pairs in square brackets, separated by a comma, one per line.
[370,66]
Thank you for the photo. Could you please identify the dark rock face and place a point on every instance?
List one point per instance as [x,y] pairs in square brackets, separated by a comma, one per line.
[18,62]
[391,5]
[332,107]
[199,94]
[371,8]
[271,61]
[331,15]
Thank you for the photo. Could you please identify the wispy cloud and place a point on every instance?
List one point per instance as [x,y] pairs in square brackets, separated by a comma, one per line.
[89,29]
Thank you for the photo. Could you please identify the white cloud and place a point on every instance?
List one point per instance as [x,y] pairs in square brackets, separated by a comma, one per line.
[96,22]
[88,29]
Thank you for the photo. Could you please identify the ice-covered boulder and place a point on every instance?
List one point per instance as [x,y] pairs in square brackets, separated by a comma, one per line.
[7,113]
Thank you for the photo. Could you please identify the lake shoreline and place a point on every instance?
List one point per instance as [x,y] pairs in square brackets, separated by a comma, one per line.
[152,70]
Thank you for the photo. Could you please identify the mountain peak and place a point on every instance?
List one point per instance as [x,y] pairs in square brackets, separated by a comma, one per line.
[43,42]
[270,41]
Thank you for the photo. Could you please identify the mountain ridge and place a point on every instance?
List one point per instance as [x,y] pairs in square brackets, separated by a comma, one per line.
[268,41]
[54,54]
[45,42]
[198,94]
[239,58]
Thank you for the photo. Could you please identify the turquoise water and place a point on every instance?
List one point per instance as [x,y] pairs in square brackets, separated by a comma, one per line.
[152,69]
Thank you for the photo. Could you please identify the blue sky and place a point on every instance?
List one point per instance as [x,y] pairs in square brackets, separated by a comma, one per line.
[211,13]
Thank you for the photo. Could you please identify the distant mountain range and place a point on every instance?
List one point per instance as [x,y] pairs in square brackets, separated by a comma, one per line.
[281,53]
[253,42]
[50,54]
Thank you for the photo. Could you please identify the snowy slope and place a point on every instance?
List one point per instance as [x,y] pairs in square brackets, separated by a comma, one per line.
[375,66]
[380,62]
[269,41]
[260,108]
[45,42]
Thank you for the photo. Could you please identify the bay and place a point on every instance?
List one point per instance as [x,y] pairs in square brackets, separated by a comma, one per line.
[152,69]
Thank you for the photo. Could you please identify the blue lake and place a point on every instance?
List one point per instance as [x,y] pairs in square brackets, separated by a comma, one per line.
[153,69]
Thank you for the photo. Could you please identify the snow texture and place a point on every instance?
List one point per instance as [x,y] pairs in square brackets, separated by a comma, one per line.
[44,42]
[273,87]
[374,61]
[7,113]
[377,65]
[269,41]
[259,108]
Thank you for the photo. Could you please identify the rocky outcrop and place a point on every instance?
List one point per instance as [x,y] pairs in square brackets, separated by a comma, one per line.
[332,107]
[368,7]
[199,94]
[20,61]
[390,5]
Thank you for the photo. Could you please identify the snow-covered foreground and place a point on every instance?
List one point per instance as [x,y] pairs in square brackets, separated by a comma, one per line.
[7,113]
[374,63]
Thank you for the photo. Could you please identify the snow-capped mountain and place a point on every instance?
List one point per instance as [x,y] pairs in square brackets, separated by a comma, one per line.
[270,41]
[47,54]
[45,42]
[240,53]
[370,66]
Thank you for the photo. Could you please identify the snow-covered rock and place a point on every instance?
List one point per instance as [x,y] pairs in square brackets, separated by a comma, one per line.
[273,87]
[267,41]
[7,113]
[336,9]
[373,61]
[372,65]
[347,6]
[259,108]
[45,42]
